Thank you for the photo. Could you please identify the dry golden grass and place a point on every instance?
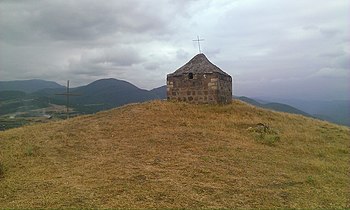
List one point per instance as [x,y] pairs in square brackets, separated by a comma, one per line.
[175,155]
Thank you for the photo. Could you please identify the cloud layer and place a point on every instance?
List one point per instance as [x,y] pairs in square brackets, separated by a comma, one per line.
[285,49]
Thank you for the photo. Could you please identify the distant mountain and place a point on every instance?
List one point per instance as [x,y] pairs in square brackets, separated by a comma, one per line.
[28,86]
[249,101]
[160,91]
[274,106]
[100,95]
[336,111]
[285,108]
[18,108]
[111,92]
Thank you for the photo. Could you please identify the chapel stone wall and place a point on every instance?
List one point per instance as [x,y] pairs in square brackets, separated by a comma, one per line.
[208,88]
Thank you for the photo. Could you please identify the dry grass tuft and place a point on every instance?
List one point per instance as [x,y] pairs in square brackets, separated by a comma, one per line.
[175,155]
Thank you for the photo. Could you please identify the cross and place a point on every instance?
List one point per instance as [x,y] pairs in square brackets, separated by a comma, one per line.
[67,94]
[199,44]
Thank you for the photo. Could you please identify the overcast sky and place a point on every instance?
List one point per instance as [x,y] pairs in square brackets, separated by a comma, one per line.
[271,48]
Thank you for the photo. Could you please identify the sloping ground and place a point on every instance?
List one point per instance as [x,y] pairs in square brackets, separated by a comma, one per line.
[175,155]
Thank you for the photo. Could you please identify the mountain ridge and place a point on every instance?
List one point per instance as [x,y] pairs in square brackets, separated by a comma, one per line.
[274,106]
[101,95]
[109,93]
[28,86]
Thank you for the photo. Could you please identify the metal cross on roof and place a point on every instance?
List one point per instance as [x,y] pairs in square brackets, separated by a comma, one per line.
[199,44]
[67,94]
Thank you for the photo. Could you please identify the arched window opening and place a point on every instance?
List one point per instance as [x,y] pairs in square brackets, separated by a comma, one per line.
[190,75]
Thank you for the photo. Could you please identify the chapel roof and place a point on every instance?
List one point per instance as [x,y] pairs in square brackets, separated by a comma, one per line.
[198,64]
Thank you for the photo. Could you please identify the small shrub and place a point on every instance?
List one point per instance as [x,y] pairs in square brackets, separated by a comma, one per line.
[265,134]
[29,151]
[343,151]
[310,180]
[321,155]
[206,158]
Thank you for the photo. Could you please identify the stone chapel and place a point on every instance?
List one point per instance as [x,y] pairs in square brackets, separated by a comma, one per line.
[201,82]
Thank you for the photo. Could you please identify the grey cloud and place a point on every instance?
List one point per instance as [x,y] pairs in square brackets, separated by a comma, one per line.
[83,19]
[99,62]
[333,54]
[270,47]
[152,65]
[342,62]
[92,19]
[329,32]
[331,73]
[116,56]
[181,54]
[88,69]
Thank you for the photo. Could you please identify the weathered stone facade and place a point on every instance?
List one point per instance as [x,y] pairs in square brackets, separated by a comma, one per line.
[200,81]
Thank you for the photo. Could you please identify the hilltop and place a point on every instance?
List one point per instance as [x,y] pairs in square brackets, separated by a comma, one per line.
[164,154]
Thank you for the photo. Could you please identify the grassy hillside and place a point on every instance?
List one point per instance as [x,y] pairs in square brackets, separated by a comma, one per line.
[176,155]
